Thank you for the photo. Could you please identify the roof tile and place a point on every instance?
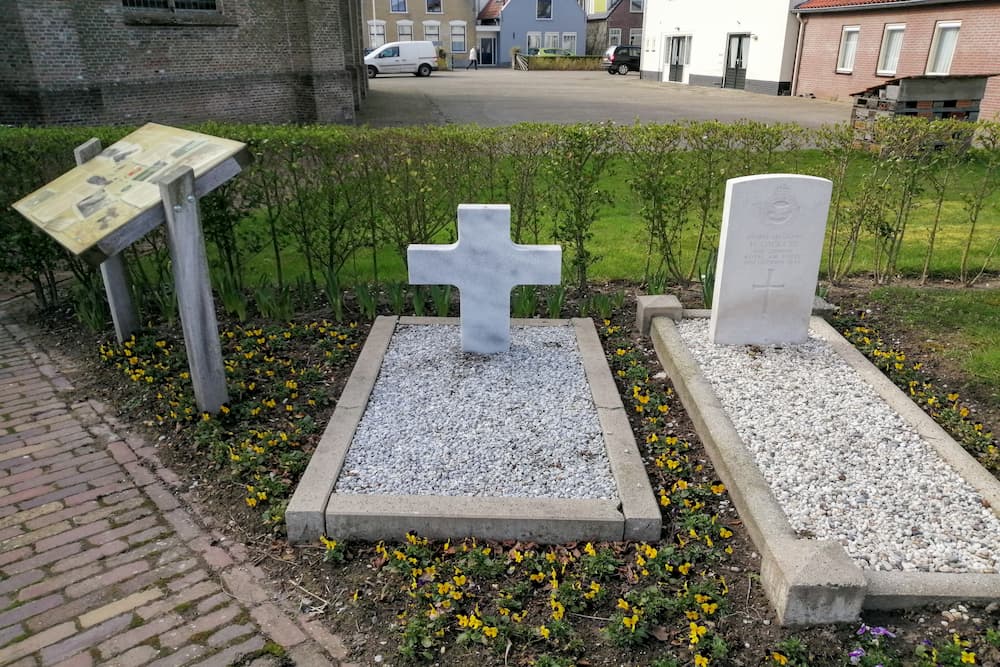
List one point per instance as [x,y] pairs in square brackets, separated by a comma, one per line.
[823,4]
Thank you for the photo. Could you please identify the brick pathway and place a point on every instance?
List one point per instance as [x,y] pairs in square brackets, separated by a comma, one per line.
[100,563]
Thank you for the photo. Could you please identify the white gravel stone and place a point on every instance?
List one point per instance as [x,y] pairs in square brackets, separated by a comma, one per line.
[843,464]
[521,423]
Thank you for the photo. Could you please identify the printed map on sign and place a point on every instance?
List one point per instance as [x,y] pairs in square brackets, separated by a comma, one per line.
[85,205]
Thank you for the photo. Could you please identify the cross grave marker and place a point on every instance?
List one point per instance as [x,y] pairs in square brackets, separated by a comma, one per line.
[484,265]
[769,252]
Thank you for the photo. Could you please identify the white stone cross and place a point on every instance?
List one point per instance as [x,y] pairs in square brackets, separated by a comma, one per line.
[767,287]
[484,265]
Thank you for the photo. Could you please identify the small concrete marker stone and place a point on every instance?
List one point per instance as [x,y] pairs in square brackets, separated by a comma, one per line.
[769,253]
[484,265]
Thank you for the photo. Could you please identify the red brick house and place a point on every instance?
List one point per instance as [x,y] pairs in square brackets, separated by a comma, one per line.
[621,24]
[847,46]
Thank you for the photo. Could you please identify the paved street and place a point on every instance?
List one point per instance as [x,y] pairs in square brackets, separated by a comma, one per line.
[101,562]
[496,97]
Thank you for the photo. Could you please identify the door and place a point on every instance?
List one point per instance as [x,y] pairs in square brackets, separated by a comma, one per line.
[736,62]
[679,47]
[487,50]
[390,61]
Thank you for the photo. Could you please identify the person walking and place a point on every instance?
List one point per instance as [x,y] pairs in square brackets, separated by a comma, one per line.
[473,59]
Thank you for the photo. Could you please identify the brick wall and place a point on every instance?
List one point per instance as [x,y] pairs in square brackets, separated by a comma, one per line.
[975,53]
[96,62]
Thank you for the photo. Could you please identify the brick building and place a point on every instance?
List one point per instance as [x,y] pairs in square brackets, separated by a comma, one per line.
[180,61]
[621,24]
[847,46]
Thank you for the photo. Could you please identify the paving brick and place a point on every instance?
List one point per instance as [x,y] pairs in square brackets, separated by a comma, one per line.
[77,514]
[27,516]
[147,535]
[35,642]
[21,580]
[35,536]
[135,514]
[121,452]
[115,576]
[145,551]
[216,557]
[136,636]
[99,477]
[232,654]
[161,497]
[121,606]
[29,609]
[27,494]
[78,660]
[308,656]
[44,558]
[158,575]
[10,633]
[140,655]
[70,609]
[10,532]
[185,597]
[89,556]
[140,476]
[229,633]
[240,582]
[180,636]
[277,625]
[181,657]
[124,531]
[333,644]
[58,494]
[7,557]
[85,640]
[72,535]
[208,604]
[53,584]
[98,493]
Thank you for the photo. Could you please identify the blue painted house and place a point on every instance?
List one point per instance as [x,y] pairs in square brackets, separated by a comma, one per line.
[531,24]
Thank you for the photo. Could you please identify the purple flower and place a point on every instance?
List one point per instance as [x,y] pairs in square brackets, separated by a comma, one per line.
[881,632]
[856,655]
[863,629]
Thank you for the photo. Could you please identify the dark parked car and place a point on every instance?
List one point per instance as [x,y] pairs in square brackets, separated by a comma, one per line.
[621,59]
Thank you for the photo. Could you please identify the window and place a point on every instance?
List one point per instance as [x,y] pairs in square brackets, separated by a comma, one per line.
[892,43]
[432,32]
[534,40]
[552,40]
[458,36]
[404,31]
[635,36]
[848,48]
[397,6]
[635,6]
[569,42]
[614,36]
[943,46]
[433,6]
[391,52]
[376,33]
[203,5]
[543,9]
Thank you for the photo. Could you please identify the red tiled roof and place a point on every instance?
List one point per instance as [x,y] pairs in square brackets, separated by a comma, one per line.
[491,10]
[824,4]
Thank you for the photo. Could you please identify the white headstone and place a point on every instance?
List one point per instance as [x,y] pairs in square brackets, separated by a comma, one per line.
[485,265]
[769,252]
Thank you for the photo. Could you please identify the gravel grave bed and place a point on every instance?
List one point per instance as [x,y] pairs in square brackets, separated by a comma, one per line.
[516,424]
[842,463]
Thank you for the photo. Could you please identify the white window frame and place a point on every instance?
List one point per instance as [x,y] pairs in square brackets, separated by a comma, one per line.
[533,40]
[376,31]
[437,32]
[614,36]
[569,45]
[551,40]
[884,67]
[844,67]
[932,56]
[636,6]
[454,28]
[538,7]
[398,11]
[635,37]
[402,36]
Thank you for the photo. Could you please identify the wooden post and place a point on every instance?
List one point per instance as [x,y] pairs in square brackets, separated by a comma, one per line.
[194,290]
[113,272]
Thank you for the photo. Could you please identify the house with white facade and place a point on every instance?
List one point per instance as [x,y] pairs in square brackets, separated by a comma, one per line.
[742,44]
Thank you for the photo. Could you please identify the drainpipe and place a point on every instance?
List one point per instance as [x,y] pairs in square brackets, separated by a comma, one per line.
[798,54]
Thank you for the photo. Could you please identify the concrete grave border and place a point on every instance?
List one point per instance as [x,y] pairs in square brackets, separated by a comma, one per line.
[316,510]
[815,581]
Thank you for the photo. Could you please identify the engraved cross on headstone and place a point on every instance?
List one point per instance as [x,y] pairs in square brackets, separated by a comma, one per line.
[767,287]
[484,265]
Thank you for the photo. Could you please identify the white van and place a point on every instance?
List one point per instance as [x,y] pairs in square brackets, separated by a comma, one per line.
[419,58]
